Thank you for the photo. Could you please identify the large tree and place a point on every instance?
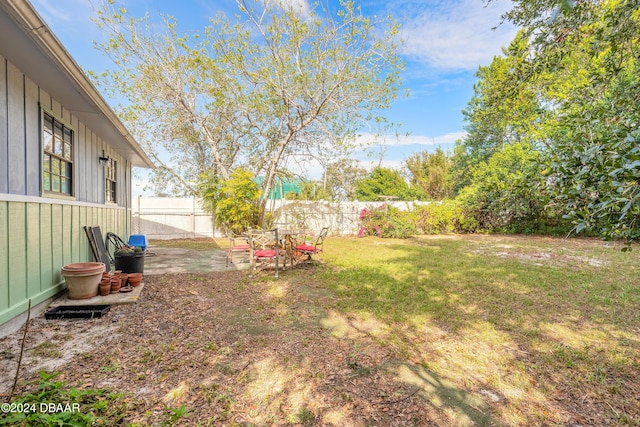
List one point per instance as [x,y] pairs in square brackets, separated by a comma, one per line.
[341,177]
[586,56]
[506,108]
[384,182]
[431,173]
[273,82]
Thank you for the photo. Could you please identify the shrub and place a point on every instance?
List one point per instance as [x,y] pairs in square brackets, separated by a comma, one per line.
[386,221]
[447,216]
[509,194]
[234,202]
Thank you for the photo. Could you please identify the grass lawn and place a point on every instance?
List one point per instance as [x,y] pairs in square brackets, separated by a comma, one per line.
[545,329]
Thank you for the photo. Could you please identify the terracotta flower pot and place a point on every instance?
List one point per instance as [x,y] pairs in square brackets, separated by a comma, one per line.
[83,279]
[116,284]
[84,267]
[105,288]
[135,279]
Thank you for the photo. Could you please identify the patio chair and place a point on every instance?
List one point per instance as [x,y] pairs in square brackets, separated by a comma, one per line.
[313,248]
[238,243]
[265,248]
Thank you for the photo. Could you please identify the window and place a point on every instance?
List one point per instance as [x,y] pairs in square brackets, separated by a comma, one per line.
[57,163]
[110,181]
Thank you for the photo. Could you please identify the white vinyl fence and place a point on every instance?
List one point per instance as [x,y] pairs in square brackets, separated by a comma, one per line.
[170,218]
[175,218]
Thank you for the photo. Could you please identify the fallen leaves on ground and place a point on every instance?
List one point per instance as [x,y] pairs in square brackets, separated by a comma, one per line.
[228,348]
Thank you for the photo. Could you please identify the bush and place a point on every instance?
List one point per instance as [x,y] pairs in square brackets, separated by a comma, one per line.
[447,216]
[234,202]
[386,221]
[509,194]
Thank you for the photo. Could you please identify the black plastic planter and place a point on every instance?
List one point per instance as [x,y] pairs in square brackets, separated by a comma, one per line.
[130,262]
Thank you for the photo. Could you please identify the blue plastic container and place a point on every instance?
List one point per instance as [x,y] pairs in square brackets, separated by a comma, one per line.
[138,240]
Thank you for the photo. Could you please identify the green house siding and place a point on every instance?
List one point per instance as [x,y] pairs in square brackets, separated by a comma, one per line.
[44,237]
[42,88]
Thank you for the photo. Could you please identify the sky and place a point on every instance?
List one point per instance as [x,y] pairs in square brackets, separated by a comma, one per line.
[445,41]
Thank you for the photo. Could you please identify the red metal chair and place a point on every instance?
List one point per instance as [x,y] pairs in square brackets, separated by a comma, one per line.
[265,248]
[238,243]
[314,248]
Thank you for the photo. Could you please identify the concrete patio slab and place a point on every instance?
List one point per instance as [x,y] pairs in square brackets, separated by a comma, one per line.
[162,260]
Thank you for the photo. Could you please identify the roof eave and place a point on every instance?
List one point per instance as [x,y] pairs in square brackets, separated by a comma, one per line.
[24,13]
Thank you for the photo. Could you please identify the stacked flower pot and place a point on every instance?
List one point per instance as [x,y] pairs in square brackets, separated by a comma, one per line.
[83,279]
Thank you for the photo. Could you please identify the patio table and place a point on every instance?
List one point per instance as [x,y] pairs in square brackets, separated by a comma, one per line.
[289,243]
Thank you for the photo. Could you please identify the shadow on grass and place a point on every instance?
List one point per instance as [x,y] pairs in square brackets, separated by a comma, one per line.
[521,330]
[461,407]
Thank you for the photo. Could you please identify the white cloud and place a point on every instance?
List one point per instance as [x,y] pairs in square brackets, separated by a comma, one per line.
[76,11]
[457,34]
[399,140]
[397,165]
[300,6]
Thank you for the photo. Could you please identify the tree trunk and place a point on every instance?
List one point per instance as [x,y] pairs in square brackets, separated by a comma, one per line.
[267,185]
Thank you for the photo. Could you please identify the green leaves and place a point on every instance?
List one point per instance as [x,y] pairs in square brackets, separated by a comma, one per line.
[66,406]
[233,202]
[567,85]
[508,192]
[384,182]
[431,173]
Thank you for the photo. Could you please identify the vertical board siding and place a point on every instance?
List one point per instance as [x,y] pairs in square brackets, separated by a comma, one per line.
[85,250]
[76,178]
[21,145]
[4,142]
[68,117]
[46,247]
[76,233]
[56,108]
[121,195]
[45,99]
[33,152]
[124,184]
[15,125]
[44,238]
[57,233]
[66,234]
[17,254]
[80,164]
[4,255]
[39,236]
[34,238]
[93,174]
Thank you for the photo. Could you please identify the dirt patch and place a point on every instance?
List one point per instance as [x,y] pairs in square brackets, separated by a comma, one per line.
[513,248]
[547,258]
[249,350]
[51,345]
